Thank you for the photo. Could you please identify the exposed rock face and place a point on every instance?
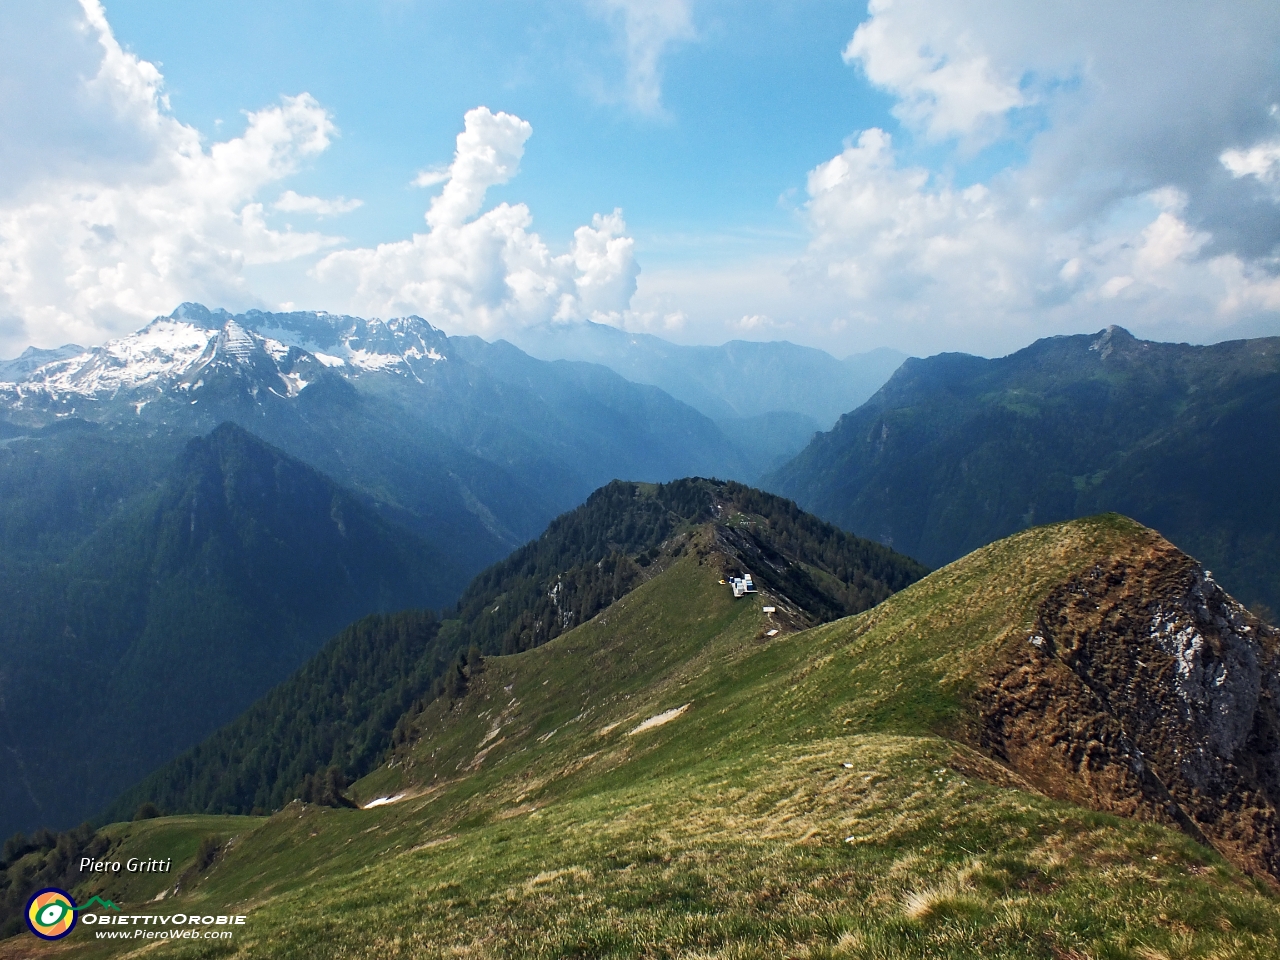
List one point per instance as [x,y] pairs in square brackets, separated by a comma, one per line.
[1143,689]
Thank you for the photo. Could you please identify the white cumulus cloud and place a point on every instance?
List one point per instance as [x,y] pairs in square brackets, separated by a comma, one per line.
[1261,161]
[649,28]
[1143,189]
[489,151]
[947,89]
[488,273]
[87,252]
[894,245]
[291,202]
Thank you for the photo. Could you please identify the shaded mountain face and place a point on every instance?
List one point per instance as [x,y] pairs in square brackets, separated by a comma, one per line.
[957,451]
[350,704]
[153,623]
[466,442]
[341,708]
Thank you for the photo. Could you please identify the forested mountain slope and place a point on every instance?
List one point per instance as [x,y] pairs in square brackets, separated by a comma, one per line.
[340,709]
[148,619]
[957,451]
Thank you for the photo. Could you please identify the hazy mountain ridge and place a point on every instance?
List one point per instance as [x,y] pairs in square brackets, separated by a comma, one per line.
[738,379]
[463,440]
[166,618]
[956,451]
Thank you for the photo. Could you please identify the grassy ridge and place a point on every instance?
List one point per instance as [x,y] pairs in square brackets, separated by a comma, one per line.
[812,799]
[356,697]
[590,557]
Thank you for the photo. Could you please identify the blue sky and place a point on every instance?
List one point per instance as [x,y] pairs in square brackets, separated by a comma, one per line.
[924,174]
[748,104]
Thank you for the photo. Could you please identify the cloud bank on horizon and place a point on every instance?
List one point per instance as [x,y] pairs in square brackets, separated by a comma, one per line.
[1087,165]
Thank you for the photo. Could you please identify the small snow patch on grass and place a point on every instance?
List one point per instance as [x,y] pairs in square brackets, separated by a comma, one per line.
[665,717]
[383,801]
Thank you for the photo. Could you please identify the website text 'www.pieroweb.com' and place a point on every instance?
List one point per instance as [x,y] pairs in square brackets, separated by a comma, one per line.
[163,927]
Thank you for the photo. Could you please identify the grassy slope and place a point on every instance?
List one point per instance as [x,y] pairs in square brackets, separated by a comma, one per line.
[805,804]
[177,838]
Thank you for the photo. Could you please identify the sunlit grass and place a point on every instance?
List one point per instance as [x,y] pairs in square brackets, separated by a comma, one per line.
[814,800]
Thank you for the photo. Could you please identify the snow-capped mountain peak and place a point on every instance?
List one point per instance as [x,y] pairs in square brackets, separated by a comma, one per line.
[400,345]
[161,350]
[185,350]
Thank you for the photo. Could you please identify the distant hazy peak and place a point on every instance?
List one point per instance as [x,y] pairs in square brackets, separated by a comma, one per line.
[734,380]
[32,359]
[199,315]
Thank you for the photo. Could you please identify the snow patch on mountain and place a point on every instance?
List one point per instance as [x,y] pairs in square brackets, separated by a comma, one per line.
[162,349]
[337,340]
[275,349]
[237,342]
[182,351]
[366,360]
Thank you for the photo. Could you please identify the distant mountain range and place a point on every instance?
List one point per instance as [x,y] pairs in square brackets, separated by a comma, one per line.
[456,438]
[769,398]
[226,491]
[957,451]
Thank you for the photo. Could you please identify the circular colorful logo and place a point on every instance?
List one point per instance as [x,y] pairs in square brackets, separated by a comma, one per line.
[51,913]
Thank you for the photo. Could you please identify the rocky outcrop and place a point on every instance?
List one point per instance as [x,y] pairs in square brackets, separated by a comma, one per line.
[1145,690]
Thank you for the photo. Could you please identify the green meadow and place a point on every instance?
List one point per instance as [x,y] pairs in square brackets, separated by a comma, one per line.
[667,780]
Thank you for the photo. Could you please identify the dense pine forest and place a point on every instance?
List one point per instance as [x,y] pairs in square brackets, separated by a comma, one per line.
[340,710]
